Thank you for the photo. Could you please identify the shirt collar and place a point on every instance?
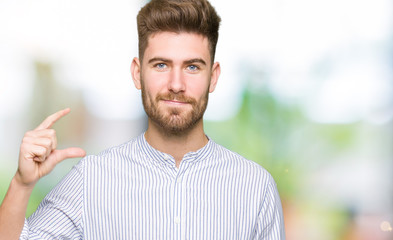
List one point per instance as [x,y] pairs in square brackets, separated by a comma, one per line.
[152,153]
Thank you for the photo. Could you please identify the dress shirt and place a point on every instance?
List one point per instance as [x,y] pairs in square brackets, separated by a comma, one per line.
[133,191]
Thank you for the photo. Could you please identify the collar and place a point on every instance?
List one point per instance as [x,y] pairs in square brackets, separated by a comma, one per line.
[203,153]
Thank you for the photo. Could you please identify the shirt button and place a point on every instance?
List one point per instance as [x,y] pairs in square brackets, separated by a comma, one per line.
[177,220]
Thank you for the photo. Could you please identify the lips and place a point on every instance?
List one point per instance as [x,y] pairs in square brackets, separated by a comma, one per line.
[177,102]
[175,99]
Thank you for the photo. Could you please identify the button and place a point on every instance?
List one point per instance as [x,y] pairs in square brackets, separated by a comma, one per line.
[177,220]
[166,157]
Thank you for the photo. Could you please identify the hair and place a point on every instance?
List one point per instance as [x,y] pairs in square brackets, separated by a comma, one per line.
[192,16]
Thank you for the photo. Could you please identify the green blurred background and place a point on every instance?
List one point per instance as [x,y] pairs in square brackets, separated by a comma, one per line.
[306,91]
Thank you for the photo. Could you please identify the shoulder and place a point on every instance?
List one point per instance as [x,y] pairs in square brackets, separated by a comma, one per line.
[241,165]
[221,153]
[251,178]
[124,152]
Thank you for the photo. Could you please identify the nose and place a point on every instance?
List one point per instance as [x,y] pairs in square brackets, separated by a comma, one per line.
[176,82]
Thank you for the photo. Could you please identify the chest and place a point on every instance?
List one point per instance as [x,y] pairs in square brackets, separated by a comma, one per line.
[197,202]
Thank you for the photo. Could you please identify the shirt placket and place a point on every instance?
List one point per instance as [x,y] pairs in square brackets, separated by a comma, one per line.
[176,201]
[177,218]
[179,193]
[180,200]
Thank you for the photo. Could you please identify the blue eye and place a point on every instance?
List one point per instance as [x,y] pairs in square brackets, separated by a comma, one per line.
[192,68]
[161,65]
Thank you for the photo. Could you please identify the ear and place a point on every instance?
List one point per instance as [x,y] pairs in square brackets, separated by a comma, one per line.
[136,72]
[216,71]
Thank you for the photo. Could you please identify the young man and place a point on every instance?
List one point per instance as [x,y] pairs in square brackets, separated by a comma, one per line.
[172,182]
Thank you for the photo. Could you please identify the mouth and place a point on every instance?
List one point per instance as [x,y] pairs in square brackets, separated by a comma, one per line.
[174,102]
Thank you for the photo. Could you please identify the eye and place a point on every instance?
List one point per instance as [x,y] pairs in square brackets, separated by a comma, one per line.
[193,68]
[160,66]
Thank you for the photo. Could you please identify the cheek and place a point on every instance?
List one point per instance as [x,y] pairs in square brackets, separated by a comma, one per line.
[152,84]
[198,87]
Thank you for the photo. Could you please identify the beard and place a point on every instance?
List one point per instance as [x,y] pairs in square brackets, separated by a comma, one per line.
[174,120]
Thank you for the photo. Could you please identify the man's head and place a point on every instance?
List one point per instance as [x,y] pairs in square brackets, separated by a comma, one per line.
[176,70]
[192,16]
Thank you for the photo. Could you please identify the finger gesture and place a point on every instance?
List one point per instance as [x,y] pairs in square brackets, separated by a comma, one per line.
[38,151]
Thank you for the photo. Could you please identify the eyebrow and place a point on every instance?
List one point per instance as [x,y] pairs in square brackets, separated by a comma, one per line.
[195,60]
[159,59]
[190,61]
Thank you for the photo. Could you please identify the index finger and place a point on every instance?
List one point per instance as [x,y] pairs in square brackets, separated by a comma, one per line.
[49,121]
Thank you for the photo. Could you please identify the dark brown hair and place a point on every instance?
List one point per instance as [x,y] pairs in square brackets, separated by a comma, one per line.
[194,16]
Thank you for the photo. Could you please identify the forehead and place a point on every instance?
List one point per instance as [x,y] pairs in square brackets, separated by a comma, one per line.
[177,46]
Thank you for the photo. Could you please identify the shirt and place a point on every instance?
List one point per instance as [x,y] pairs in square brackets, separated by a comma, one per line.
[134,191]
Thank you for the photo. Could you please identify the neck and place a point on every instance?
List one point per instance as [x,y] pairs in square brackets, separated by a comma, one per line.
[176,145]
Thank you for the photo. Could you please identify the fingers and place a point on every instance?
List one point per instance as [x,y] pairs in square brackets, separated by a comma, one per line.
[73,152]
[38,154]
[37,145]
[41,143]
[57,156]
[45,137]
[49,121]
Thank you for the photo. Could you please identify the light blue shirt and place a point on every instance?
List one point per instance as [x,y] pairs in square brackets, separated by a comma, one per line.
[133,191]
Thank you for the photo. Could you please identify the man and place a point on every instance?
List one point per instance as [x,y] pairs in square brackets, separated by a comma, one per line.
[172,182]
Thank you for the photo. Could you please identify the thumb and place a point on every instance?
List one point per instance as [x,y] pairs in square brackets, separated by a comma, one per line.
[73,152]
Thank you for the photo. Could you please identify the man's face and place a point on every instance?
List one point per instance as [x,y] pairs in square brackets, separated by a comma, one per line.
[175,77]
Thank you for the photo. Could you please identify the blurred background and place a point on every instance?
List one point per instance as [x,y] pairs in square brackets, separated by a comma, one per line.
[306,91]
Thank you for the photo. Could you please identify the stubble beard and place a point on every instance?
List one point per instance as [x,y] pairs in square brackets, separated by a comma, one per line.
[174,120]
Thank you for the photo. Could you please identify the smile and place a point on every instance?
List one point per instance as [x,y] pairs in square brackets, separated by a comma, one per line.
[174,102]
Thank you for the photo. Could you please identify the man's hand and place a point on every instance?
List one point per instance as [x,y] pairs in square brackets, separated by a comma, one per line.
[38,154]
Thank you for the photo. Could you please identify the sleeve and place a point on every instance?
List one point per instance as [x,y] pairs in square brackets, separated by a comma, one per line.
[270,224]
[59,215]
